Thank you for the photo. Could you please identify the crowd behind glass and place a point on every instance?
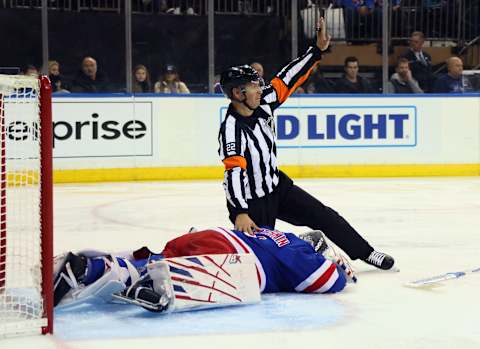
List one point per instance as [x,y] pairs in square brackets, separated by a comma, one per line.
[413,70]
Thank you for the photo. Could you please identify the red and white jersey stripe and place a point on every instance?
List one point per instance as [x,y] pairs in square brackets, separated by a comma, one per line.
[321,280]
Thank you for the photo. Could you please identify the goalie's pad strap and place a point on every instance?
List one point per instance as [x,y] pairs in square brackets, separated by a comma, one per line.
[112,259]
[134,275]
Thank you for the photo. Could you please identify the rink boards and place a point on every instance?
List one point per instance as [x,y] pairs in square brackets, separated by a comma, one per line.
[150,137]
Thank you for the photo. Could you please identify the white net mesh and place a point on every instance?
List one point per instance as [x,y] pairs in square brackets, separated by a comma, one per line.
[21,304]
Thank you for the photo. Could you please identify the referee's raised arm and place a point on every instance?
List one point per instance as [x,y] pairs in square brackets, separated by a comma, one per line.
[295,73]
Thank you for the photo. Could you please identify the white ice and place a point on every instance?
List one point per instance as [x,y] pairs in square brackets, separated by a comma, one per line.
[430,225]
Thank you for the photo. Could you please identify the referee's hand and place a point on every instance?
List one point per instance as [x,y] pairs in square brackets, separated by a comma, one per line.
[244,223]
[323,39]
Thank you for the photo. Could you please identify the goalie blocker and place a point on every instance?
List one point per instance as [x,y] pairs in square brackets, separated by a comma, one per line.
[210,268]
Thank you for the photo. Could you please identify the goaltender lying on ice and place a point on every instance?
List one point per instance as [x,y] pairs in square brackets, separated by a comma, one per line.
[203,269]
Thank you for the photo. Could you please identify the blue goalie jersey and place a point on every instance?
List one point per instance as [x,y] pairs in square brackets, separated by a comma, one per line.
[284,262]
[291,264]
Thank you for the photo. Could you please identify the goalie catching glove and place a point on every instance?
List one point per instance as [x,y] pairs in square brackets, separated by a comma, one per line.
[319,243]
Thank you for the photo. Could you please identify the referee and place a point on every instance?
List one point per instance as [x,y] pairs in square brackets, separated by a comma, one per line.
[257,191]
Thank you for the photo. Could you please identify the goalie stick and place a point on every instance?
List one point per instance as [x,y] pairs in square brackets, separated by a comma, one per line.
[435,281]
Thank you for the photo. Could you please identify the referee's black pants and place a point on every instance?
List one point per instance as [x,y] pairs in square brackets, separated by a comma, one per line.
[294,205]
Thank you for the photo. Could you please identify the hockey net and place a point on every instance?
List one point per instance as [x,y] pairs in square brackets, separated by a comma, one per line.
[26,245]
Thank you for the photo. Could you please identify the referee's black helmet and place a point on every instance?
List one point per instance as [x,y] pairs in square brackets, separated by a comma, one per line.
[236,77]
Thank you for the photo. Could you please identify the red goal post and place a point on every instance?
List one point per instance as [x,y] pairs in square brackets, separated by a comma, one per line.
[26,206]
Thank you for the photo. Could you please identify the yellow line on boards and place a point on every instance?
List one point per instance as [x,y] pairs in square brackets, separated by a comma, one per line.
[305,171]
[415,170]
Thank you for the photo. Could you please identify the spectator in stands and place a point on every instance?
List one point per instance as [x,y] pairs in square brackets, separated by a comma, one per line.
[159,6]
[395,20]
[89,79]
[53,68]
[395,4]
[358,18]
[319,82]
[420,61]
[56,79]
[402,81]
[299,91]
[362,7]
[141,80]
[170,82]
[217,88]
[352,82]
[30,70]
[453,81]
[310,88]
[316,83]
[178,8]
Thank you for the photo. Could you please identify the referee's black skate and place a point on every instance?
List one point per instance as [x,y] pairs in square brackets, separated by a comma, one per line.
[380,260]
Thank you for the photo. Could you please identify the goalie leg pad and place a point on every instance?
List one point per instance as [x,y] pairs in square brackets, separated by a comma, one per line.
[206,281]
[195,282]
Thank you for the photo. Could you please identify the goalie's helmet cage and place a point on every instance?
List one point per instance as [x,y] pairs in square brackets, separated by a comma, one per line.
[26,241]
[237,77]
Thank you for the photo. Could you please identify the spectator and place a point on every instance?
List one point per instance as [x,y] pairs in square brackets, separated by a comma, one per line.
[141,80]
[323,85]
[56,79]
[395,4]
[30,70]
[396,23]
[310,88]
[420,61]
[217,88]
[259,68]
[453,81]
[299,91]
[362,7]
[53,68]
[351,81]
[402,81]
[170,82]
[89,79]
[317,83]
[358,18]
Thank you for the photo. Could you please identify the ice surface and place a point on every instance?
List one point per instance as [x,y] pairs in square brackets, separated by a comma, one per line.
[430,225]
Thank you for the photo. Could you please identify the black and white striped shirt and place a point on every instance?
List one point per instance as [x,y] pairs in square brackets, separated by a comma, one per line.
[247,144]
